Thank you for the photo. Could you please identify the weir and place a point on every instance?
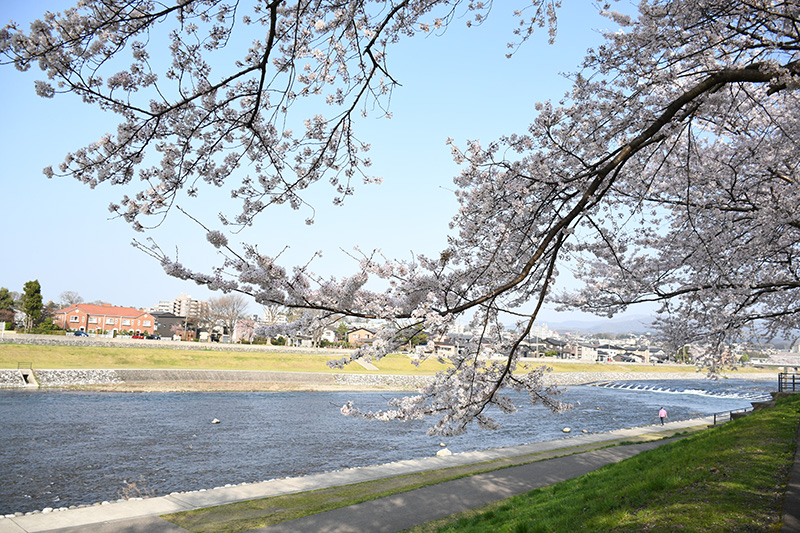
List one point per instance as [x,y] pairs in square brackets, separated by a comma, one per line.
[697,390]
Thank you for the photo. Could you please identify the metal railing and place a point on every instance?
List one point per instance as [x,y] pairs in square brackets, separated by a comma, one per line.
[788,382]
[725,416]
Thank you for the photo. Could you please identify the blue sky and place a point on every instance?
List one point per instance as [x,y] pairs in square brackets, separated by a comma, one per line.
[459,85]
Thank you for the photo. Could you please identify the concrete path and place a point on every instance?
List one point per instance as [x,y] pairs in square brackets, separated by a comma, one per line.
[409,509]
[385,515]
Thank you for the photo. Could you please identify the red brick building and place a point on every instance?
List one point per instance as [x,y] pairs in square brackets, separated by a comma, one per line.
[104,318]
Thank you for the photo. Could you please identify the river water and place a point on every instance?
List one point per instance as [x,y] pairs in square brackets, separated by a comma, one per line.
[60,448]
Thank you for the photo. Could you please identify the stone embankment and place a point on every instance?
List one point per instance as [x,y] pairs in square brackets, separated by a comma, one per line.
[11,378]
[295,380]
[249,379]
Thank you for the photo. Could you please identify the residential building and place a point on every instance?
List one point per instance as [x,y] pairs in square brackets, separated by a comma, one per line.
[542,331]
[184,305]
[452,344]
[656,354]
[610,350]
[640,352]
[328,335]
[360,336]
[104,318]
[584,352]
[444,346]
[169,325]
[300,341]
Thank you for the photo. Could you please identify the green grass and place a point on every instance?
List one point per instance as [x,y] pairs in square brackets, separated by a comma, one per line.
[151,356]
[615,367]
[249,515]
[82,357]
[729,478]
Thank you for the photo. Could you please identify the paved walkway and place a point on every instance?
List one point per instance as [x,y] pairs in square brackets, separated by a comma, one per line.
[388,514]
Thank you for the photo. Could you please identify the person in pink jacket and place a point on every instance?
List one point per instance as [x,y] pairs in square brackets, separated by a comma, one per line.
[662,414]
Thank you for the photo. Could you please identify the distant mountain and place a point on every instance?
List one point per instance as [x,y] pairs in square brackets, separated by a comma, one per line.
[628,324]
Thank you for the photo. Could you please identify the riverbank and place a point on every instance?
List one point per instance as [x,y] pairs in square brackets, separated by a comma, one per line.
[130,515]
[62,449]
[719,480]
[166,380]
[141,365]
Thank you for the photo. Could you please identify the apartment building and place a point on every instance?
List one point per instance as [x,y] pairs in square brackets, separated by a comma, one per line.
[184,305]
[103,318]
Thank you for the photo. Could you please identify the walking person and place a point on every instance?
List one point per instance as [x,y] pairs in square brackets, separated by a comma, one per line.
[662,414]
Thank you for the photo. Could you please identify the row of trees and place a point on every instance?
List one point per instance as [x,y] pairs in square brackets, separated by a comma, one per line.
[37,316]
[29,304]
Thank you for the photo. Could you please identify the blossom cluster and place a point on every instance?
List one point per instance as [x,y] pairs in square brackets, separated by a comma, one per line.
[668,174]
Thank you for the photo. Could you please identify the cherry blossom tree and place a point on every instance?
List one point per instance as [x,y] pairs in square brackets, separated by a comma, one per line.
[245,330]
[179,329]
[668,174]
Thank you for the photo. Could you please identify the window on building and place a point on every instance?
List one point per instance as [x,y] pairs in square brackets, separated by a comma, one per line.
[111,320]
[145,323]
[92,320]
[126,321]
[74,318]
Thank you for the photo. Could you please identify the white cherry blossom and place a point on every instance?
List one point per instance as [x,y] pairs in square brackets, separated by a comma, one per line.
[668,174]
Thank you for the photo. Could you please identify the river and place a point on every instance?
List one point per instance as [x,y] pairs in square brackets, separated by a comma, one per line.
[63,448]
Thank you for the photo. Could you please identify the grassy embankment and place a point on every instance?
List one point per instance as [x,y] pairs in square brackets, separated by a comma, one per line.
[90,357]
[152,356]
[728,478]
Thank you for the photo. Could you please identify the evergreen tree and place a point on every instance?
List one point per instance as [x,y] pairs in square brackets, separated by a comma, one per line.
[341,331]
[6,307]
[32,304]
[6,299]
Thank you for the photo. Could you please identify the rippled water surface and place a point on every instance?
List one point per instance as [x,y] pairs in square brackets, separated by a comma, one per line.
[67,448]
